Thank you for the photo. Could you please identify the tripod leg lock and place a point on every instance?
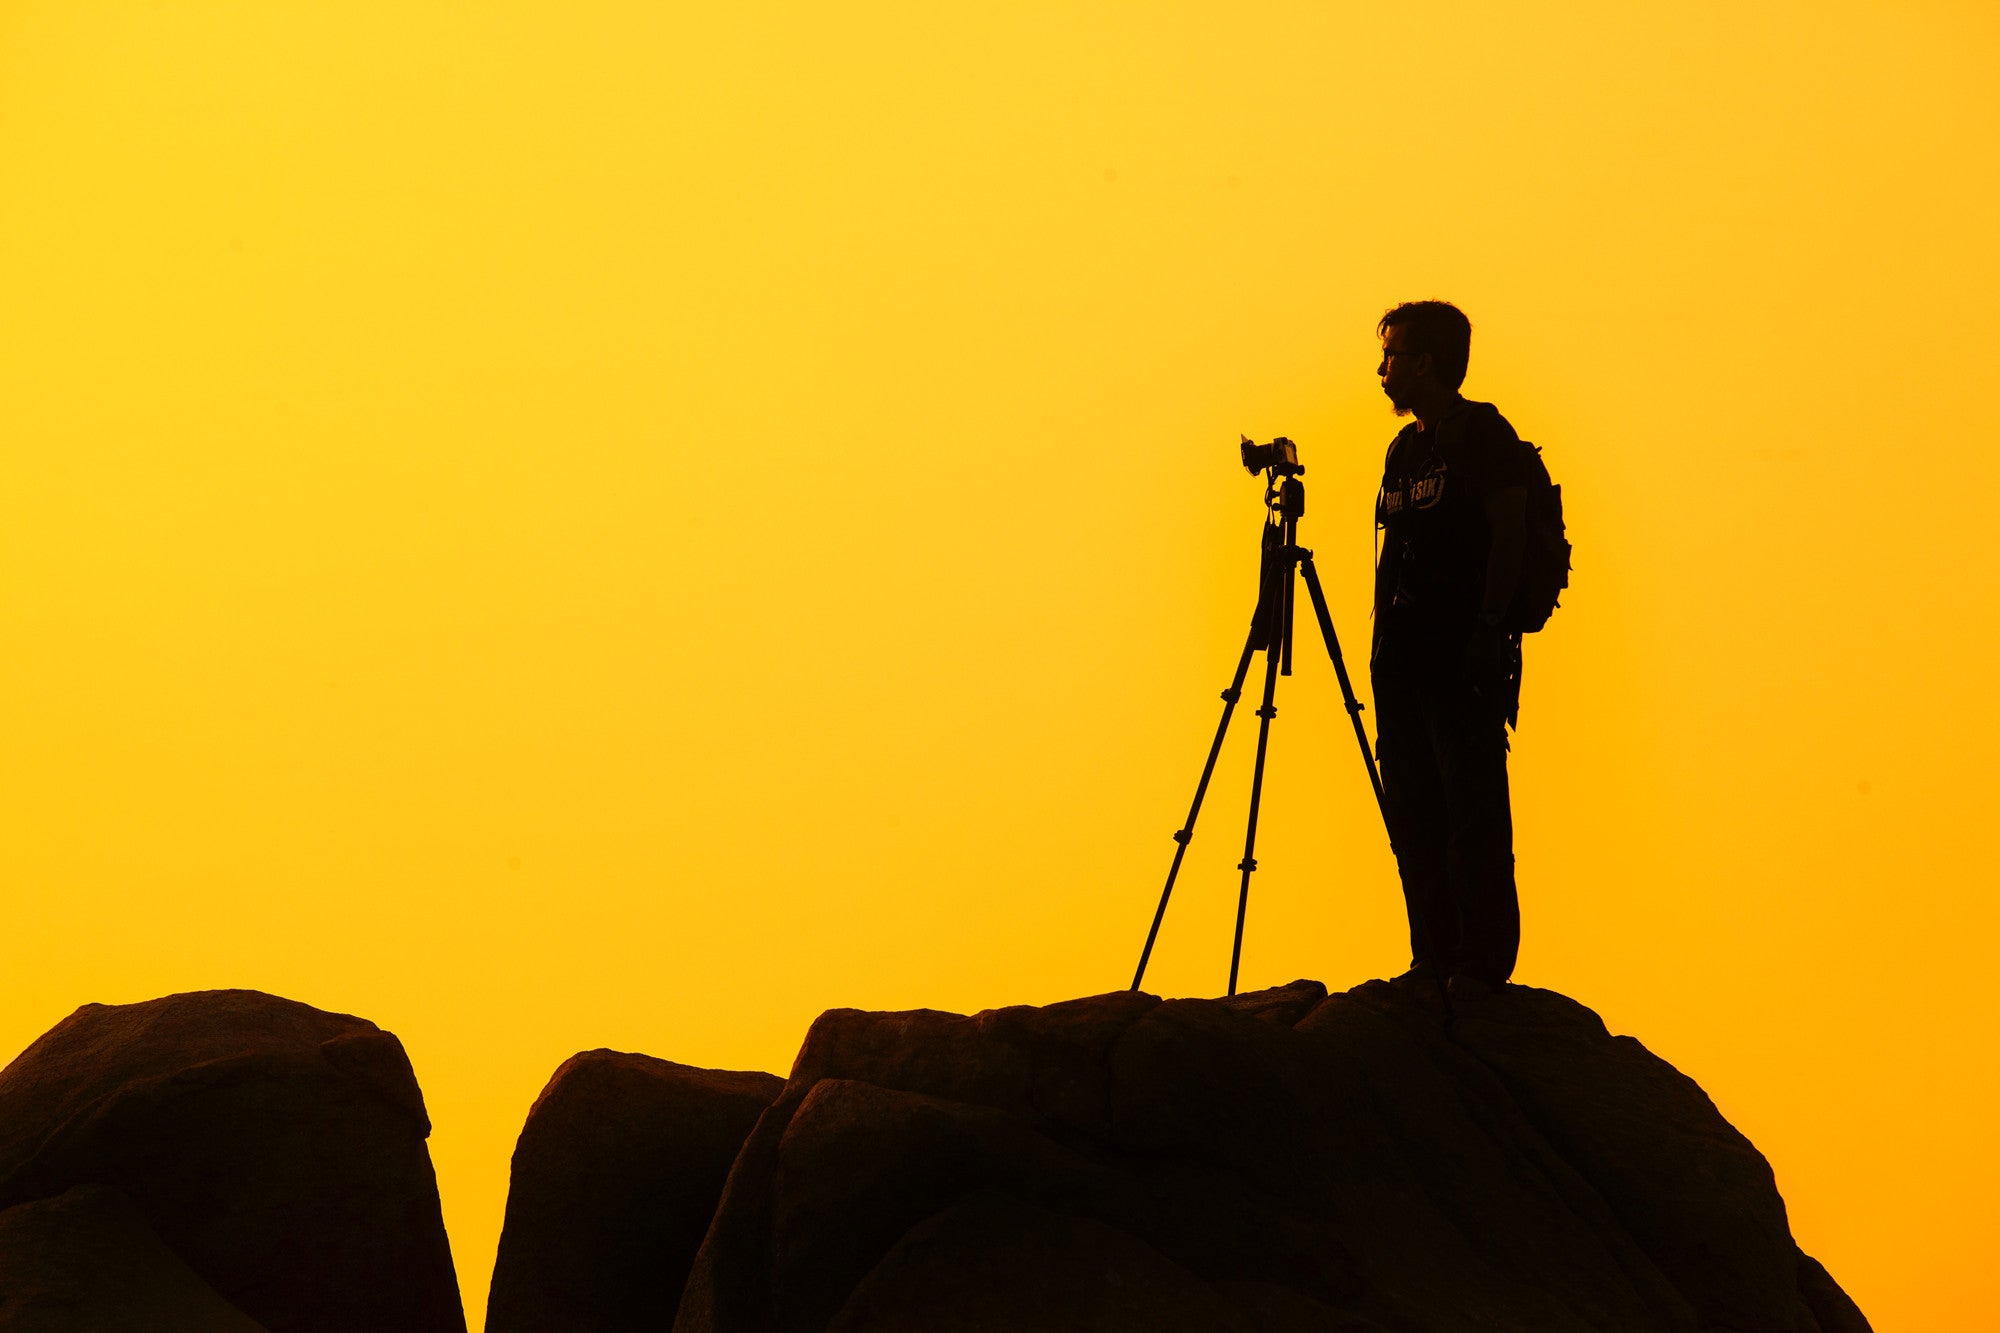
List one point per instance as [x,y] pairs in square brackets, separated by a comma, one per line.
[1268,711]
[1231,696]
[1183,836]
[1247,863]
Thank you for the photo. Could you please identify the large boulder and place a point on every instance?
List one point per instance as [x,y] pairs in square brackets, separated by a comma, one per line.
[276,1149]
[615,1178]
[86,1261]
[1692,1192]
[1284,1160]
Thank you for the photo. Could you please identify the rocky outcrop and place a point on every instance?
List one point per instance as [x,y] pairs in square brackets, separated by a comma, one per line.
[276,1150]
[1282,1161]
[615,1179]
[86,1261]
[1287,1161]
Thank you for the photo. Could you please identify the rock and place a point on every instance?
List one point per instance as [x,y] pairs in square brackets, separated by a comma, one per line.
[615,1178]
[1691,1191]
[86,1261]
[276,1149]
[1284,1160]
[1831,1306]
[963,1269]
[1280,1004]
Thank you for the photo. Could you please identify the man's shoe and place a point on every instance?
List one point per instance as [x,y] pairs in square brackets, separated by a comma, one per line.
[1420,974]
[1465,987]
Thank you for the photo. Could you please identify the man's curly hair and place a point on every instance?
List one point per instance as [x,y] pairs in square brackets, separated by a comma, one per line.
[1437,327]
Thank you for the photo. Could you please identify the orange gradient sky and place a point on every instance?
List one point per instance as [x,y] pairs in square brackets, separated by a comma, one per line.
[617,524]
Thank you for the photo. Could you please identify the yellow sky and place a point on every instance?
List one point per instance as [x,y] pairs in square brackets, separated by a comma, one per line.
[620,524]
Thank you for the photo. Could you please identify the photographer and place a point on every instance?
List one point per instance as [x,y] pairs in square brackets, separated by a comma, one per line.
[1445,668]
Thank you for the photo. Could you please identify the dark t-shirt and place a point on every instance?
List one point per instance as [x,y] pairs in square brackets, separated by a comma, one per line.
[1432,507]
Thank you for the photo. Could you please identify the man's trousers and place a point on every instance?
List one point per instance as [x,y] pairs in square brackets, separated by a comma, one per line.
[1443,756]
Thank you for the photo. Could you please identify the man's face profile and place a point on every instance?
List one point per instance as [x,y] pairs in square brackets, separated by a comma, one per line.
[1400,370]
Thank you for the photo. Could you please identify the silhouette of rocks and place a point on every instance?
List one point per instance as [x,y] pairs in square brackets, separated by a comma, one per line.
[277,1150]
[1693,1193]
[86,1261]
[1835,1310]
[615,1178]
[1285,1160]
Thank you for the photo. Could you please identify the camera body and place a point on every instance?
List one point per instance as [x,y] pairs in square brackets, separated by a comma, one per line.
[1280,457]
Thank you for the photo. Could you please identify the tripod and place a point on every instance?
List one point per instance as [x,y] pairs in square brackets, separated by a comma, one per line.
[1271,634]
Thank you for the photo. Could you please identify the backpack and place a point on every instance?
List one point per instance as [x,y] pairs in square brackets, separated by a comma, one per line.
[1545,562]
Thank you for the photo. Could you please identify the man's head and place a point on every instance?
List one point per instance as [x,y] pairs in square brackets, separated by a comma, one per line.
[1425,347]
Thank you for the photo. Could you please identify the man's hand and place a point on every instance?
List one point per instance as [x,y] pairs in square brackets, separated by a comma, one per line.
[1489,661]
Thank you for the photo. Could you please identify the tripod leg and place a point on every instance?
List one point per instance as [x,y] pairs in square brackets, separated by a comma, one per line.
[1273,658]
[1289,586]
[1346,686]
[1185,834]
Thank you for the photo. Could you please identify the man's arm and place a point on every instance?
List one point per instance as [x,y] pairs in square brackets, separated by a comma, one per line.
[1507,516]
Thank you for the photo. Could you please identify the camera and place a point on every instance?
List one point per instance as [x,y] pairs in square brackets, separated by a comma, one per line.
[1281,456]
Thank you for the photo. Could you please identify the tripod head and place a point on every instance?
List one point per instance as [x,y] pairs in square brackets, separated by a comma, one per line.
[1285,497]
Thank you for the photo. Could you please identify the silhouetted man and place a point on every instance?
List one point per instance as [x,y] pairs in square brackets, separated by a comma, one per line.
[1453,512]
